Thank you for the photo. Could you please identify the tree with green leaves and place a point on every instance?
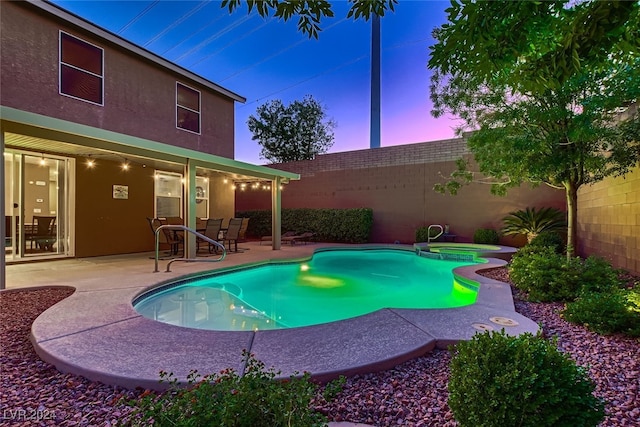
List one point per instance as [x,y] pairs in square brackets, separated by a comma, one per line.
[298,131]
[311,12]
[549,88]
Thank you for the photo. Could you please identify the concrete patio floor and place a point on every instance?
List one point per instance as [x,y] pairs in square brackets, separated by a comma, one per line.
[96,332]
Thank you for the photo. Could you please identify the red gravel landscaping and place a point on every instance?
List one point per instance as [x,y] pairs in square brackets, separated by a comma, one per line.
[34,393]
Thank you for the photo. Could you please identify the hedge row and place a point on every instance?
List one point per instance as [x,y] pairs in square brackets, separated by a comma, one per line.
[329,225]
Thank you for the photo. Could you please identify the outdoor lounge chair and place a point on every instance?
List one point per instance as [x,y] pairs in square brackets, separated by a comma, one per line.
[304,237]
[282,237]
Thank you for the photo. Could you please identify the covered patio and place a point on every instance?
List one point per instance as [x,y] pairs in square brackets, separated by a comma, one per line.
[90,221]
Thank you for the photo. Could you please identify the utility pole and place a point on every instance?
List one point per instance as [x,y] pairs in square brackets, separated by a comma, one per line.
[375,82]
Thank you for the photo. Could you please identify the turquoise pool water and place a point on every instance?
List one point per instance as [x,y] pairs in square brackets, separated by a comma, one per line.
[333,285]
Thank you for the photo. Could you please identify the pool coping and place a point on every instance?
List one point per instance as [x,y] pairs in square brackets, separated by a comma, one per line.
[98,334]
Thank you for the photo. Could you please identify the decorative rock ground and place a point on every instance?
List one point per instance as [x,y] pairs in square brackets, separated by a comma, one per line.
[412,394]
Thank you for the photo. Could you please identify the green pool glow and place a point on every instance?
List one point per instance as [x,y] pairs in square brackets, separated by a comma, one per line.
[333,285]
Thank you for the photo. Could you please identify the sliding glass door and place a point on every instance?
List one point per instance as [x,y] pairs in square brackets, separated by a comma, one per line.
[36,205]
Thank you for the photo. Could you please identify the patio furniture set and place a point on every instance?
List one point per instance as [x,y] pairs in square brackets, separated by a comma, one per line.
[212,228]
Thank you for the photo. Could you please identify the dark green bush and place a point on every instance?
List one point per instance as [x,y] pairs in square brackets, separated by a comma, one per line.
[486,236]
[423,234]
[329,225]
[599,276]
[549,238]
[498,380]
[546,275]
[226,399]
[605,312]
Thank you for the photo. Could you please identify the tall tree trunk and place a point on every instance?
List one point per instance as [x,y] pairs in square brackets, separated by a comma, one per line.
[572,217]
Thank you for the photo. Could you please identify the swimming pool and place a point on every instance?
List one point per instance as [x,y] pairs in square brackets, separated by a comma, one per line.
[332,285]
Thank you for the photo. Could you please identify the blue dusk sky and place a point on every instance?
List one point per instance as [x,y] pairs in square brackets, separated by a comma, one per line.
[265,59]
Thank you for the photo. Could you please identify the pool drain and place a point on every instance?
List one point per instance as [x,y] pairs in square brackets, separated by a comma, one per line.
[482,326]
[503,321]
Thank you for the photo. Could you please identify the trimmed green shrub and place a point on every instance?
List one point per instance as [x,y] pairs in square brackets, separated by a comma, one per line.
[551,239]
[486,236]
[546,275]
[605,313]
[532,222]
[499,380]
[329,225]
[423,234]
[227,399]
[599,276]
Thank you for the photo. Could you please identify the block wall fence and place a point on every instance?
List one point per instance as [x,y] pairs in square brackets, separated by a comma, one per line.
[609,220]
[397,183]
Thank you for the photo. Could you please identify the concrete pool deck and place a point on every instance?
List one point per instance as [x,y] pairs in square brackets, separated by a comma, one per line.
[96,332]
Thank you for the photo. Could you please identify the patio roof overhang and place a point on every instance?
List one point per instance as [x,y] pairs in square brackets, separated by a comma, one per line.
[49,128]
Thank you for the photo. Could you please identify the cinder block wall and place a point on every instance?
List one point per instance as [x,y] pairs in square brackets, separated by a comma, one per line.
[609,221]
[397,183]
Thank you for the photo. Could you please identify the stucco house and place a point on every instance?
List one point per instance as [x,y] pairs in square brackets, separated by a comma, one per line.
[99,134]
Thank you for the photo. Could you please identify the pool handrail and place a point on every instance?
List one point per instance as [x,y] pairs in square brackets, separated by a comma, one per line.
[429,238]
[192,231]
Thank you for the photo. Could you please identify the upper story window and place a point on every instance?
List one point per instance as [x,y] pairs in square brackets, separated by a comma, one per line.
[187,108]
[81,69]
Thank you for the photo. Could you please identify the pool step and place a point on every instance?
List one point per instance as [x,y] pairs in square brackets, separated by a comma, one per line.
[446,256]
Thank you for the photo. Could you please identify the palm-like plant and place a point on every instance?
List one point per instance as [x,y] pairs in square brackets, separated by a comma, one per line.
[532,222]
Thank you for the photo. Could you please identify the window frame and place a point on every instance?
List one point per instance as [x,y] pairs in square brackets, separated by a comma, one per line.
[202,182]
[62,64]
[199,112]
[157,193]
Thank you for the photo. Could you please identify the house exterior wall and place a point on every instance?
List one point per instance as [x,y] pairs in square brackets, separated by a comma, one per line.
[397,183]
[108,226]
[139,100]
[609,220]
[139,96]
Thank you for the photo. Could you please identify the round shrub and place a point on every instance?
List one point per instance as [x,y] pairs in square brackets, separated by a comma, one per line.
[498,380]
[546,275]
[228,400]
[605,313]
[599,276]
[551,239]
[486,236]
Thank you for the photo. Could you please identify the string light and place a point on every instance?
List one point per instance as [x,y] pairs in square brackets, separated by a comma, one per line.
[254,185]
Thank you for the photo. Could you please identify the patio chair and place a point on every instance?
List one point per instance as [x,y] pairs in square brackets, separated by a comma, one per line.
[233,233]
[166,236]
[212,231]
[243,229]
